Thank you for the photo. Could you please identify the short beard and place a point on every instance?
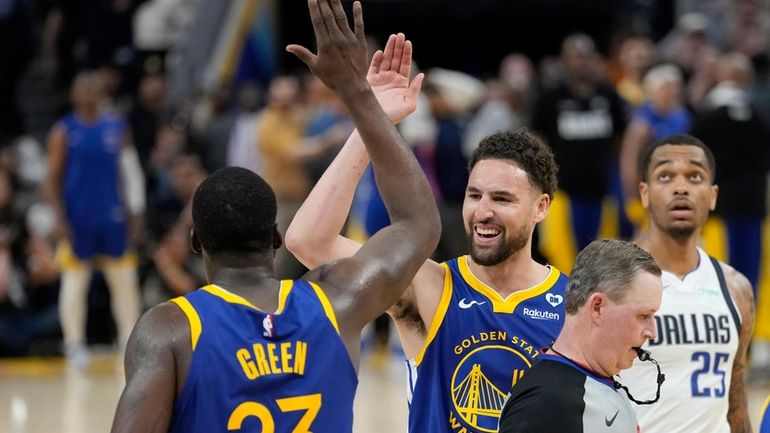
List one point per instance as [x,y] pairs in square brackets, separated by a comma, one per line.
[503,251]
[680,233]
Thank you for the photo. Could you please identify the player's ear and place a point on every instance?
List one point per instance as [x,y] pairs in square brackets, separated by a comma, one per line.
[644,194]
[195,243]
[543,203]
[714,194]
[277,238]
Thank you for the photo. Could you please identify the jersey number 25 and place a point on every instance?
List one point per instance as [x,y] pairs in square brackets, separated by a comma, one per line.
[704,359]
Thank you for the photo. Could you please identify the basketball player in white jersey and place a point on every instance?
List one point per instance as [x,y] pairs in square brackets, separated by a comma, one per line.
[707,314]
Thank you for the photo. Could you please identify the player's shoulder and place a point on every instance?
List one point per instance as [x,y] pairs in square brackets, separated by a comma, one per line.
[742,295]
[162,326]
[739,286]
[163,314]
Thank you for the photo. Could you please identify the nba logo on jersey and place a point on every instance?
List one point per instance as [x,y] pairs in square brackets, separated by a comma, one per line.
[267,324]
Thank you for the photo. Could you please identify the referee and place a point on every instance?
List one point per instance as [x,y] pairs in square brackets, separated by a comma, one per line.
[612,295]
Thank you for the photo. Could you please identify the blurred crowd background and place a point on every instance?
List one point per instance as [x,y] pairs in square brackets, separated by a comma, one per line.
[204,84]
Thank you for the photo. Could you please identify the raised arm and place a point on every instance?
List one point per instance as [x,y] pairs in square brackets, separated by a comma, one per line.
[366,284]
[314,234]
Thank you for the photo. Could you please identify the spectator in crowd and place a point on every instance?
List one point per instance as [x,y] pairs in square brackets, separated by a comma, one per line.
[284,156]
[145,115]
[582,119]
[740,141]
[635,55]
[749,27]
[661,115]
[451,96]
[28,280]
[176,271]
[242,148]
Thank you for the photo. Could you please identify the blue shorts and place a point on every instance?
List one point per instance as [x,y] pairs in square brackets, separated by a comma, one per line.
[107,238]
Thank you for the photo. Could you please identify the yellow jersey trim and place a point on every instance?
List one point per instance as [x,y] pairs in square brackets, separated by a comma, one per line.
[283,294]
[438,317]
[192,317]
[327,306]
[509,304]
[764,408]
[228,296]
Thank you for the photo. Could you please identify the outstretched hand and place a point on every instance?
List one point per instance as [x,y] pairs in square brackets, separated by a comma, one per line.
[341,60]
[389,78]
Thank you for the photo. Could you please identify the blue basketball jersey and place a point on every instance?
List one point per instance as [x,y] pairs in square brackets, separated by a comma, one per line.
[477,347]
[257,372]
[764,426]
[91,183]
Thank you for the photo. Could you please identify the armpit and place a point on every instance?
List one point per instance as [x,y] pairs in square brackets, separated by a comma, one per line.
[406,312]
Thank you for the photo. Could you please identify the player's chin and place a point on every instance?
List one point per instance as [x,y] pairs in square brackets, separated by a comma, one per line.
[486,255]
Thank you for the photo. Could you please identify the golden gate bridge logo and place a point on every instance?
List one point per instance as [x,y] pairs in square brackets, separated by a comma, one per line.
[476,396]
[479,398]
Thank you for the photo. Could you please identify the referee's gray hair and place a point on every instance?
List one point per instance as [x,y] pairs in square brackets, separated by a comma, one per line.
[606,266]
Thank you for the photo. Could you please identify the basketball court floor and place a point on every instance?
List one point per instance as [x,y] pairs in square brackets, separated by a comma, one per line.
[44,396]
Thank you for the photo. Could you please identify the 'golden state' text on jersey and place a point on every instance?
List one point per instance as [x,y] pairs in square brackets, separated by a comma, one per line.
[478,345]
[257,372]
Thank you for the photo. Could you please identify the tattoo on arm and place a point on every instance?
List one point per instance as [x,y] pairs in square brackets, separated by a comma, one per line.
[738,413]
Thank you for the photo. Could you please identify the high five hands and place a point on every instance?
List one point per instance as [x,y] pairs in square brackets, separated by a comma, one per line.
[341,62]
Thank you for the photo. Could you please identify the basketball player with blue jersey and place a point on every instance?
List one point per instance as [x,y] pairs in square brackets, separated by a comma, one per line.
[249,352]
[470,327]
[95,186]
[706,317]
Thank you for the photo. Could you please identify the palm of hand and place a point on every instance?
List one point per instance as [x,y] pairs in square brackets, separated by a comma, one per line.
[392,92]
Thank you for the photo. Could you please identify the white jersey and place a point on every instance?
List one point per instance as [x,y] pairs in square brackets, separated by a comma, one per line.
[698,332]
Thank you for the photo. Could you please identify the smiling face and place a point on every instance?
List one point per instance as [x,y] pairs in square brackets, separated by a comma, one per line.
[679,193]
[500,211]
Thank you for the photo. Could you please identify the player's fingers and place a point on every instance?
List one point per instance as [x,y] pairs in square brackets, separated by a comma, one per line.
[388,53]
[319,26]
[398,50]
[406,60]
[303,54]
[328,19]
[341,20]
[374,67]
[416,85]
[358,21]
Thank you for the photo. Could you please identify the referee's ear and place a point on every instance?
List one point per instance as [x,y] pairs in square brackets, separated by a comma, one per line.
[596,304]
